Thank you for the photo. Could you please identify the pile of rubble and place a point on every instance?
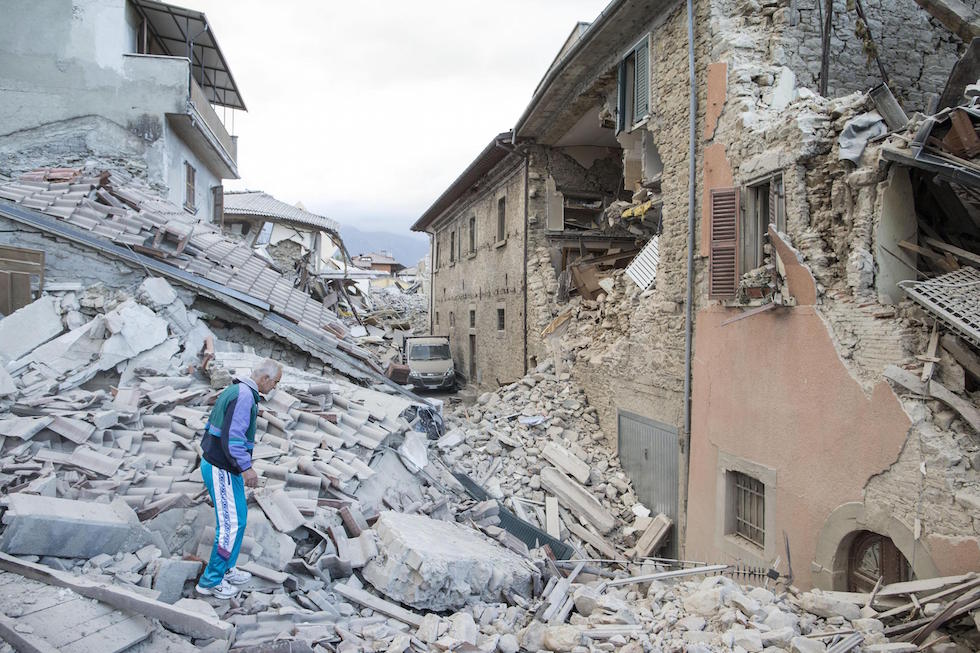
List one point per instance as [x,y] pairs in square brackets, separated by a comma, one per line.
[536,445]
[369,531]
[395,315]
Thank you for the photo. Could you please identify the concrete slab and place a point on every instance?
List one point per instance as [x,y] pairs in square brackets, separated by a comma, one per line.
[577,499]
[38,525]
[135,328]
[566,461]
[437,565]
[170,577]
[30,327]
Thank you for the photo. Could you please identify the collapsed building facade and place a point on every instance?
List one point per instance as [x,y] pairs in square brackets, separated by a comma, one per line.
[753,390]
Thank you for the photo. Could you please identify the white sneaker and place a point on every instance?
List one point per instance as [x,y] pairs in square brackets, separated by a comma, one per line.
[237,576]
[223,590]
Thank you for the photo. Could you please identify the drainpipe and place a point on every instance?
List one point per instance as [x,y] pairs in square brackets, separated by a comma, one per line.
[526,232]
[523,153]
[689,302]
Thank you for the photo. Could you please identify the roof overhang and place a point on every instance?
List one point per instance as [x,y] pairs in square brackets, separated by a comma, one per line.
[562,95]
[177,31]
[260,206]
[495,152]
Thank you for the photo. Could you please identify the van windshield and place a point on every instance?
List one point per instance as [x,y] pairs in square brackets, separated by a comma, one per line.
[429,352]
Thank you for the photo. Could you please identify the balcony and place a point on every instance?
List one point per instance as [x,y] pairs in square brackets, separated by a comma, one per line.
[201,128]
[163,86]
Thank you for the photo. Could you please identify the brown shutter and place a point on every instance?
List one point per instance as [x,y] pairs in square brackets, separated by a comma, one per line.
[723,259]
[218,205]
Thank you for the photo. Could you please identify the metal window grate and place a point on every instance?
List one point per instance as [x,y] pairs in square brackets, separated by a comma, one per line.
[531,535]
[954,298]
[750,509]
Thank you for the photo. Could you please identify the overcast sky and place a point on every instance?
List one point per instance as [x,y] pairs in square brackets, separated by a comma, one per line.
[366,111]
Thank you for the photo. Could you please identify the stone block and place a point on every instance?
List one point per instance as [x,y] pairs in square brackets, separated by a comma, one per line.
[31,326]
[170,577]
[436,565]
[38,525]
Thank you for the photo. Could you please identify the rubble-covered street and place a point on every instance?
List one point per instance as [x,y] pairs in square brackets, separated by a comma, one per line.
[362,536]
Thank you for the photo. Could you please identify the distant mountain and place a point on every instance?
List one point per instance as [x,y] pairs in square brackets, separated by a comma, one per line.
[407,248]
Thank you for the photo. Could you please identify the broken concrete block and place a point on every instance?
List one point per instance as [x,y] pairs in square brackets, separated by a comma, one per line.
[562,638]
[170,577]
[7,384]
[156,293]
[38,525]
[134,328]
[566,461]
[29,327]
[824,606]
[437,565]
[806,645]
[577,499]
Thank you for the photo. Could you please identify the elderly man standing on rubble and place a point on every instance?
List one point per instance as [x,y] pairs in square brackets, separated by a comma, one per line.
[226,466]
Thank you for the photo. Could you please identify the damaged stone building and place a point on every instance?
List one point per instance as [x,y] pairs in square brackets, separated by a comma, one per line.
[750,362]
[136,85]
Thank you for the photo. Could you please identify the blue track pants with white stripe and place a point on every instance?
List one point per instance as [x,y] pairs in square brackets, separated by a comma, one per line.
[227,492]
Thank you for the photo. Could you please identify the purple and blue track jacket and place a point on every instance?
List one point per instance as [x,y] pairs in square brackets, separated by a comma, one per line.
[229,434]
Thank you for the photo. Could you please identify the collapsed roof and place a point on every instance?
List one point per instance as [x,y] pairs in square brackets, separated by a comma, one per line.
[127,221]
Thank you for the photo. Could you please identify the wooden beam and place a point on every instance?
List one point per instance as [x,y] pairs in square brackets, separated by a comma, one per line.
[597,542]
[929,365]
[955,16]
[23,642]
[378,604]
[663,575]
[963,355]
[552,523]
[182,620]
[954,250]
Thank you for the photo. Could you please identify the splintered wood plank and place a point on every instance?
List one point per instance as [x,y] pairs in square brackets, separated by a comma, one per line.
[7,577]
[378,604]
[931,354]
[23,642]
[551,517]
[60,624]
[40,599]
[119,636]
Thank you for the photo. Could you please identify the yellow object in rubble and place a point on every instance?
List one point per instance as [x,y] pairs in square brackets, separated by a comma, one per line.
[638,211]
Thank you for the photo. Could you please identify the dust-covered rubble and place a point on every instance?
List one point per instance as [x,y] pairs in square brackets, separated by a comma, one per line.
[362,535]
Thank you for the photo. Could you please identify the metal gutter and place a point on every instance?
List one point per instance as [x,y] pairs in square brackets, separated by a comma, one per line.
[600,22]
[483,163]
[689,300]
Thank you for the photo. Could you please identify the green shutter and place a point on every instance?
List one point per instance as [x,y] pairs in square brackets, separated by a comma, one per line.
[641,82]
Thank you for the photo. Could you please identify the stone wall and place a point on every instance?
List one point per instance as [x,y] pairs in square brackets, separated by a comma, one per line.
[66,262]
[636,358]
[915,50]
[484,280]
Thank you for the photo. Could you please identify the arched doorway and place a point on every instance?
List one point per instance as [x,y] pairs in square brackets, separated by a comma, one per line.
[872,556]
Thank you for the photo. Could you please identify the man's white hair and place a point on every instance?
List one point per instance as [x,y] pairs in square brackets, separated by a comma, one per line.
[267,368]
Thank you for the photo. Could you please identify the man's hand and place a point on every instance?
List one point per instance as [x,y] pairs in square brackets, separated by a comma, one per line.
[251,478]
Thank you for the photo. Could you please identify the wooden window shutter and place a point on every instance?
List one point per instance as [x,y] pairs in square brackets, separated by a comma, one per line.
[621,98]
[723,253]
[641,81]
[777,204]
[218,205]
